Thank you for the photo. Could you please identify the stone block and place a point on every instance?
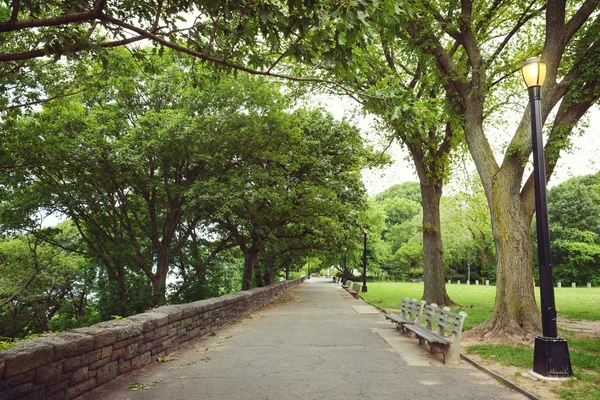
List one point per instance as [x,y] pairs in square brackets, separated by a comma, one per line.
[99,363]
[49,374]
[162,331]
[127,342]
[91,357]
[106,352]
[59,387]
[37,395]
[68,344]
[124,366]
[57,396]
[157,353]
[71,363]
[102,336]
[117,354]
[157,344]
[24,377]
[173,313]
[79,375]
[17,391]
[107,372]
[133,329]
[155,318]
[80,389]
[140,360]
[131,351]
[27,355]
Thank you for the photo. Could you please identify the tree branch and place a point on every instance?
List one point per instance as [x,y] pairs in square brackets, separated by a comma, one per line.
[15,11]
[207,57]
[579,18]
[28,55]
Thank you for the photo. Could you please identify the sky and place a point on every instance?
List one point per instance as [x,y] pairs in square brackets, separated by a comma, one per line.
[582,159]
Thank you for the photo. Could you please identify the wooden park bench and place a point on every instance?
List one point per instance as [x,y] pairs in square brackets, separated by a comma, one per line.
[355,290]
[348,284]
[438,322]
[411,313]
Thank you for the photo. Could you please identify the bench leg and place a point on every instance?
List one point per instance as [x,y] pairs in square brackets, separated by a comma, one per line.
[451,354]
[433,348]
[422,341]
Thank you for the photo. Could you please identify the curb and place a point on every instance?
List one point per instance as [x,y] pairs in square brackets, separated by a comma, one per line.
[495,375]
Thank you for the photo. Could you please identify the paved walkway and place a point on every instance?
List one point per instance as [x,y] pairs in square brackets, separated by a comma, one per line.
[321,345]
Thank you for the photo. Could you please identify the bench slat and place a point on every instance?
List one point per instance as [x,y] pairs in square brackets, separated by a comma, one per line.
[428,335]
[398,319]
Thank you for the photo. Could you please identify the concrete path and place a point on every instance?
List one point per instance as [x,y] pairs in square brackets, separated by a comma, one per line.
[323,344]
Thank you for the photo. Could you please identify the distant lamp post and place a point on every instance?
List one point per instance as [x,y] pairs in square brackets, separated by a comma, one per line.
[345,273]
[364,286]
[307,270]
[551,353]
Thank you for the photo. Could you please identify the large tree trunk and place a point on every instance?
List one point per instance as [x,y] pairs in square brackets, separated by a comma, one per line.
[433,253]
[258,276]
[515,312]
[515,316]
[251,254]
[159,280]
[269,267]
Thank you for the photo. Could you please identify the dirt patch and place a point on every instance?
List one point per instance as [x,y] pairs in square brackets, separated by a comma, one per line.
[518,376]
[582,328]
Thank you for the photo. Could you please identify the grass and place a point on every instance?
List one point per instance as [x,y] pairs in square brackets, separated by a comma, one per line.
[478,302]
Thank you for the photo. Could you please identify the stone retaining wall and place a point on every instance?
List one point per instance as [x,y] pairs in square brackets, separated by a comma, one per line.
[70,363]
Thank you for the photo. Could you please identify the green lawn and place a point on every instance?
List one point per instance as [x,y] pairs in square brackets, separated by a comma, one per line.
[478,302]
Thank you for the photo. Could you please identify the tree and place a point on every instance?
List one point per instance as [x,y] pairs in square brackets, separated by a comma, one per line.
[467,230]
[573,207]
[37,279]
[298,178]
[477,56]
[138,160]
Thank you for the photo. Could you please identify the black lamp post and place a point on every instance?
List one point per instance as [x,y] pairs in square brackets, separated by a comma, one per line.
[364,286]
[345,273]
[307,271]
[551,353]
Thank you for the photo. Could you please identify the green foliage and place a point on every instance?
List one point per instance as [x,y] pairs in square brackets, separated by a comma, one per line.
[574,229]
[39,281]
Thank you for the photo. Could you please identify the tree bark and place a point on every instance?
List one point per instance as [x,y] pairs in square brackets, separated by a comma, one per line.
[269,267]
[515,312]
[258,280]
[251,254]
[433,253]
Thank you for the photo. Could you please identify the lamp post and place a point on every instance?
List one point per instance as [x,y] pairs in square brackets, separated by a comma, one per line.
[364,286]
[551,353]
[345,273]
[307,270]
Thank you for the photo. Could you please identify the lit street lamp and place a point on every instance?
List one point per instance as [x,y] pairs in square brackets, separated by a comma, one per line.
[364,286]
[551,353]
